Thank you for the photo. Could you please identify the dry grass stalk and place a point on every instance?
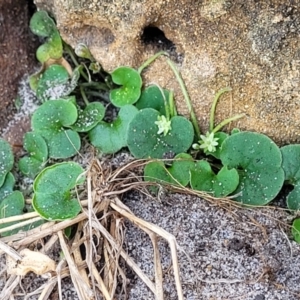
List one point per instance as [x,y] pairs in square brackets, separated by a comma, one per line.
[100,231]
[10,285]
[98,219]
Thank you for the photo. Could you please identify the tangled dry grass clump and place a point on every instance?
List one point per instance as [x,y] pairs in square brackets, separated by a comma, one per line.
[99,228]
[94,257]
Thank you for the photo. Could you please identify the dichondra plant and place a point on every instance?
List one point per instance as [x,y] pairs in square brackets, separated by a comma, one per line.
[249,167]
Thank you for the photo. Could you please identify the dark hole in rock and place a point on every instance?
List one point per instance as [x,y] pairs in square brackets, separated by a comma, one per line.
[155,38]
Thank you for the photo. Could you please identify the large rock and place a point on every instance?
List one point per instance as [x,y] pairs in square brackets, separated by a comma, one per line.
[252,46]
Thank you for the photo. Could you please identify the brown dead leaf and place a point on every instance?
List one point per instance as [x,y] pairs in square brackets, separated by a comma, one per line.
[32,261]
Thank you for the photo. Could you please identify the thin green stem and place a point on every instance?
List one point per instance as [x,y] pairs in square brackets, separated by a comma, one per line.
[226,121]
[74,60]
[95,85]
[83,95]
[187,99]
[88,73]
[102,96]
[70,52]
[214,105]
[172,106]
[150,60]
[167,108]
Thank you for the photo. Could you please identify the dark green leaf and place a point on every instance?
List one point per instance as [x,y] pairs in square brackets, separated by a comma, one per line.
[130,90]
[49,120]
[53,83]
[52,198]
[89,117]
[177,174]
[152,97]
[291,167]
[144,140]
[6,160]
[12,205]
[258,161]
[111,137]
[220,185]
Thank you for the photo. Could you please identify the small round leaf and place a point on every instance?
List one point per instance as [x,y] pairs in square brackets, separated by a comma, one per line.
[220,185]
[52,191]
[258,161]
[6,159]
[111,137]
[36,146]
[151,97]
[52,83]
[52,49]
[89,117]
[130,90]
[41,24]
[291,167]
[7,186]
[177,174]
[49,120]
[144,141]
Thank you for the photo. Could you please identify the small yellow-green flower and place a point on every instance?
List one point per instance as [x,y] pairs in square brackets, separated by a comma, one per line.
[208,143]
[164,125]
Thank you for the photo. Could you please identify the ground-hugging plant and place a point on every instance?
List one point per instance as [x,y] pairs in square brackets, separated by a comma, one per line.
[258,161]
[52,198]
[112,137]
[74,96]
[36,146]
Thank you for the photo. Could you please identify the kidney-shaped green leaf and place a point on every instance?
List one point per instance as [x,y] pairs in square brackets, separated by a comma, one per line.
[258,161]
[36,146]
[6,159]
[89,117]
[53,198]
[49,120]
[219,185]
[291,167]
[144,141]
[178,173]
[37,149]
[296,230]
[7,186]
[52,83]
[52,49]
[152,97]
[11,205]
[130,90]
[111,137]
[41,24]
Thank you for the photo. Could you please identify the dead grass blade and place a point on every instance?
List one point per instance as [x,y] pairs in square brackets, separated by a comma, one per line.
[100,232]
[82,288]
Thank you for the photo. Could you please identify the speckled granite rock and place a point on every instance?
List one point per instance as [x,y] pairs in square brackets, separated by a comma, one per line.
[252,46]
